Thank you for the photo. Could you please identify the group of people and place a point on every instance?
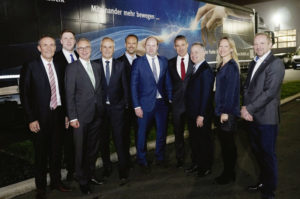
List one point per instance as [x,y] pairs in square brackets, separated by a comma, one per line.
[72,103]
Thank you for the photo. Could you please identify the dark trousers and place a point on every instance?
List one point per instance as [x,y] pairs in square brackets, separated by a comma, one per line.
[263,141]
[86,142]
[201,144]
[48,146]
[179,120]
[160,115]
[114,120]
[130,123]
[229,152]
[68,150]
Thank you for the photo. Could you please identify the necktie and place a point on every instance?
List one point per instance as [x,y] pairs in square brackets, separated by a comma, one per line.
[90,72]
[72,58]
[53,100]
[194,69]
[107,73]
[256,58]
[154,70]
[182,69]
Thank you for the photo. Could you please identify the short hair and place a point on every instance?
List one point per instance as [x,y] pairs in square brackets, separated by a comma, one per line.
[83,39]
[66,30]
[264,34]
[180,37]
[153,37]
[131,35]
[44,36]
[107,38]
[199,44]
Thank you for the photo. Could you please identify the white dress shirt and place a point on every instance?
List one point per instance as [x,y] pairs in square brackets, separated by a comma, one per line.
[67,55]
[130,58]
[45,63]
[258,63]
[185,61]
[104,65]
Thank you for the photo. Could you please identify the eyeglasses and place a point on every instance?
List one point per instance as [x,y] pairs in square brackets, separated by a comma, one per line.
[84,48]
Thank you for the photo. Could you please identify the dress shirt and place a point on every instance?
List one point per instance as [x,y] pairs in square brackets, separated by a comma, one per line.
[196,66]
[258,63]
[185,61]
[104,65]
[130,58]
[67,55]
[149,58]
[45,63]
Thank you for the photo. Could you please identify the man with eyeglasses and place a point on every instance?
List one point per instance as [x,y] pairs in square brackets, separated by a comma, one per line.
[85,111]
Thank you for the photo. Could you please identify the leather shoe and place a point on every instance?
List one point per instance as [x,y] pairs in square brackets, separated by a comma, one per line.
[193,168]
[40,194]
[203,173]
[257,187]
[95,181]
[179,164]
[107,172]
[224,179]
[123,181]
[61,187]
[85,189]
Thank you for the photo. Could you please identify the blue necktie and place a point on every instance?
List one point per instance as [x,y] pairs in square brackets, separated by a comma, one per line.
[154,70]
[72,58]
[107,74]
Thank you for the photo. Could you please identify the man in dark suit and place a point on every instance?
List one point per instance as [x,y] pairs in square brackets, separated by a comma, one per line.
[151,90]
[131,42]
[180,68]
[84,99]
[199,97]
[42,97]
[261,108]
[116,100]
[64,57]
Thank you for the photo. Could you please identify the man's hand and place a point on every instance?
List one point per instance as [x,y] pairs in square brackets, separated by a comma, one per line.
[75,124]
[199,121]
[223,118]
[139,112]
[246,115]
[34,126]
[67,123]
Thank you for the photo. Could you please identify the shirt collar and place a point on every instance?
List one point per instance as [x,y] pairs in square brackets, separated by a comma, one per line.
[185,57]
[196,66]
[45,62]
[129,56]
[256,58]
[150,58]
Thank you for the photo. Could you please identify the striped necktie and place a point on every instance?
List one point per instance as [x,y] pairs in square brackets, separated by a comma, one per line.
[53,100]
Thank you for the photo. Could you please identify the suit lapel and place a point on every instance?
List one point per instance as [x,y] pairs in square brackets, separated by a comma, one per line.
[200,69]
[148,67]
[251,67]
[189,69]
[86,74]
[262,67]
[43,72]
[161,68]
[96,74]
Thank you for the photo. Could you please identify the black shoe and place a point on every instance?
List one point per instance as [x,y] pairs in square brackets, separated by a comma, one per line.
[224,179]
[145,169]
[95,181]
[60,187]
[161,163]
[257,187]
[107,172]
[179,164]
[40,194]
[70,177]
[85,189]
[123,181]
[193,168]
[203,173]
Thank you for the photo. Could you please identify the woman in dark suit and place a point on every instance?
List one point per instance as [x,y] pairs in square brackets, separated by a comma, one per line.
[227,100]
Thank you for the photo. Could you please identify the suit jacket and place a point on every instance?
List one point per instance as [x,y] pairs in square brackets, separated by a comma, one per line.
[82,99]
[262,93]
[35,90]
[179,85]
[143,85]
[60,58]
[117,90]
[199,93]
[127,66]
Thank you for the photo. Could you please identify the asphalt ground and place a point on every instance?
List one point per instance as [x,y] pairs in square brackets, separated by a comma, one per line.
[173,183]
